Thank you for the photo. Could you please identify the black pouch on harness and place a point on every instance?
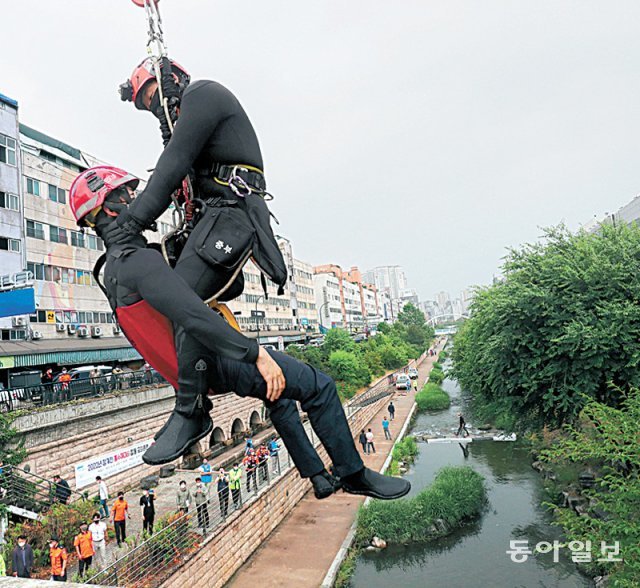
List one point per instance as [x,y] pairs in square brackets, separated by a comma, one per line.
[224,240]
[266,253]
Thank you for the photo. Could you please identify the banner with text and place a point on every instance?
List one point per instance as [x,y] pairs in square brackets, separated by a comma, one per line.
[110,464]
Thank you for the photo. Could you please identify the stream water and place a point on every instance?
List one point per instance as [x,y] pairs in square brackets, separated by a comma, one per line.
[475,555]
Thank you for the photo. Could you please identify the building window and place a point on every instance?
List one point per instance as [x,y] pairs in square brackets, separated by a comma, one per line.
[77,239]
[33,186]
[7,244]
[37,269]
[9,201]
[57,234]
[18,335]
[7,150]
[57,194]
[35,230]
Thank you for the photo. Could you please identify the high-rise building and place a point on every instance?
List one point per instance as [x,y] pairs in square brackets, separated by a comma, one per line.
[389,278]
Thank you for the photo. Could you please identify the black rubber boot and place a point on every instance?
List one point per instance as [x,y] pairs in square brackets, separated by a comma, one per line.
[188,423]
[324,484]
[367,482]
[206,404]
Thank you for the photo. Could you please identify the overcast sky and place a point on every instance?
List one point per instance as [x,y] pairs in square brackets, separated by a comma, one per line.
[427,134]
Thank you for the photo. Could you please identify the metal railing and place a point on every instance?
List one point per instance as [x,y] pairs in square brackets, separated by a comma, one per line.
[59,392]
[30,492]
[153,560]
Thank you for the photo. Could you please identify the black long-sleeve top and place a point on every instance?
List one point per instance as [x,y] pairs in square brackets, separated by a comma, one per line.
[212,128]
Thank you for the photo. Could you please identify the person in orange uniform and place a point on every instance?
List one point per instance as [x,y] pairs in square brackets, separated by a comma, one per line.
[84,548]
[119,513]
[64,379]
[58,556]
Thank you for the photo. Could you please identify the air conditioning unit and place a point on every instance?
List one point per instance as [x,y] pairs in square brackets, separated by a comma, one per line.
[83,332]
[71,329]
[19,321]
[116,330]
[60,328]
[96,331]
[36,335]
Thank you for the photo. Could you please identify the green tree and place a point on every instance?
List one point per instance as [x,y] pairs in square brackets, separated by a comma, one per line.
[338,339]
[12,451]
[561,327]
[347,367]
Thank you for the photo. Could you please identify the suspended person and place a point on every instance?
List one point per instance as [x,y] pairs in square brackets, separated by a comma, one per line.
[223,360]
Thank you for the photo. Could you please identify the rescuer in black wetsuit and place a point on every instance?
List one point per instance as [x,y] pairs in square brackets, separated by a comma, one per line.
[230,361]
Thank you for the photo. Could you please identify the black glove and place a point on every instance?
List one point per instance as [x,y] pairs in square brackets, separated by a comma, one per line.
[124,229]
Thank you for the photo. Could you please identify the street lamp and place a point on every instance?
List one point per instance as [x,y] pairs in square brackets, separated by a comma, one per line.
[320,312]
[258,316]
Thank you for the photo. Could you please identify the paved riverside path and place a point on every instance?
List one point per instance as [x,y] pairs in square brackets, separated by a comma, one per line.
[301,550]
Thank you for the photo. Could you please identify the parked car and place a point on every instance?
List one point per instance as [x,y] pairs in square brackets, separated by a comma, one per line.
[403,382]
[413,373]
[80,379]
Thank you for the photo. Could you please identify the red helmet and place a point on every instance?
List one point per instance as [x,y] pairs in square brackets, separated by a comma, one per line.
[90,189]
[132,89]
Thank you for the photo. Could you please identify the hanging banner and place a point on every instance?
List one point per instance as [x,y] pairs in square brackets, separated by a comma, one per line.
[110,464]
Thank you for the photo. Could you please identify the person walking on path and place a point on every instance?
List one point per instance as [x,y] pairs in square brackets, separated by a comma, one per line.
[119,514]
[415,385]
[147,504]
[98,530]
[250,463]
[22,558]
[201,498]
[274,454]
[222,483]
[205,472]
[362,439]
[385,428]
[58,557]
[84,549]
[392,410]
[463,427]
[183,498]
[370,445]
[61,491]
[103,494]
[235,477]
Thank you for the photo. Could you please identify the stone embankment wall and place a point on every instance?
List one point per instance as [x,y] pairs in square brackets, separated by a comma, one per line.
[57,438]
[222,554]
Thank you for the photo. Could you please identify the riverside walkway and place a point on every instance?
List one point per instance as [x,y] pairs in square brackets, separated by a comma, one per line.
[301,550]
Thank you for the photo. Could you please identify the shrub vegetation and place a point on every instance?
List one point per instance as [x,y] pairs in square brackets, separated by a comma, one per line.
[456,494]
[432,397]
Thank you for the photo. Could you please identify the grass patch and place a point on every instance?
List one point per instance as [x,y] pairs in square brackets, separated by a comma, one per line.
[457,494]
[404,451]
[436,377]
[432,397]
[347,568]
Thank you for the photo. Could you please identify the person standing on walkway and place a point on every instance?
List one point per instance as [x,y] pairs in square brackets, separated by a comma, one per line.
[183,498]
[274,454]
[370,445]
[222,482]
[84,549]
[3,566]
[205,471]
[415,385]
[147,504]
[58,557]
[235,477]
[119,514]
[463,427]
[61,490]
[362,439]
[385,428]
[103,493]
[250,463]
[98,530]
[22,558]
[392,410]
[201,498]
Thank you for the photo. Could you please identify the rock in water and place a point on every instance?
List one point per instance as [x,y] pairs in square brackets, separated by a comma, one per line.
[379,543]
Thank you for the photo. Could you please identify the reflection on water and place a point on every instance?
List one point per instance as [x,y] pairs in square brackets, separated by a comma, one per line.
[476,554]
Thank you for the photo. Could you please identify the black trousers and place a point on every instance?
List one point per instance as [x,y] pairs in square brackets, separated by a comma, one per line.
[251,475]
[121,531]
[223,499]
[318,397]
[203,515]
[147,524]
[84,564]
[284,413]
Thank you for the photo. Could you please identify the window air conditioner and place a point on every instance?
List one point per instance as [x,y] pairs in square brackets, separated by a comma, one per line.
[71,329]
[60,328]
[36,335]
[18,321]
[96,331]
[83,332]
